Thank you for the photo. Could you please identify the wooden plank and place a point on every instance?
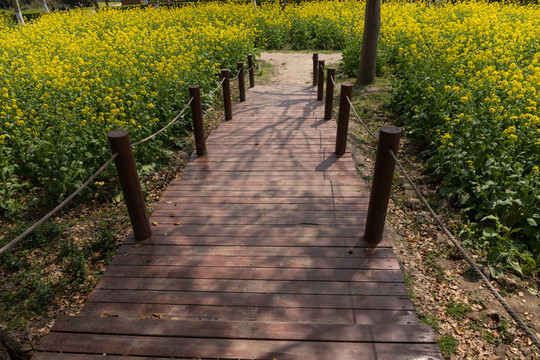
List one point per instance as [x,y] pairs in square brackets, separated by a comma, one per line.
[268,199]
[238,219]
[254,273]
[259,262]
[252,299]
[246,330]
[253,286]
[261,231]
[254,214]
[283,149]
[344,209]
[261,251]
[66,356]
[226,349]
[266,241]
[252,313]
[258,176]
[209,348]
[248,186]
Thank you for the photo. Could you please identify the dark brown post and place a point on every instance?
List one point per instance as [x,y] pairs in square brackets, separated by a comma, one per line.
[131,187]
[226,94]
[198,124]
[315,69]
[330,77]
[343,118]
[383,175]
[241,81]
[251,71]
[320,81]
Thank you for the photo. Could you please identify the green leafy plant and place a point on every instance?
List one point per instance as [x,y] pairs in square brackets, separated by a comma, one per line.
[448,344]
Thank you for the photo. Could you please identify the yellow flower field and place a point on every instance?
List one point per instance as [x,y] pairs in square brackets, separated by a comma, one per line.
[68,79]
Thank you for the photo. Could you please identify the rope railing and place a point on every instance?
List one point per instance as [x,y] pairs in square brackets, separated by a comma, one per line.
[165,127]
[388,142]
[466,255]
[214,91]
[361,122]
[59,207]
[199,138]
[237,74]
[335,86]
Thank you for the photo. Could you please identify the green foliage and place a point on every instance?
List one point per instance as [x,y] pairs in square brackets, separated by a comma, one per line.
[472,102]
[457,309]
[429,319]
[448,344]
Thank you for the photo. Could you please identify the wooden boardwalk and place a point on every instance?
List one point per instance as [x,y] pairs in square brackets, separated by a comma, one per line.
[257,253]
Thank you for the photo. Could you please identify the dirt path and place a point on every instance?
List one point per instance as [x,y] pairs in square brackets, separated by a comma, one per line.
[294,68]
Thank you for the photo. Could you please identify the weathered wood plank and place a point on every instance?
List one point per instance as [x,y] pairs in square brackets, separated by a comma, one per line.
[252,313]
[265,241]
[253,286]
[246,330]
[261,231]
[258,262]
[254,273]
[252,299]
[260,251]
[209,348]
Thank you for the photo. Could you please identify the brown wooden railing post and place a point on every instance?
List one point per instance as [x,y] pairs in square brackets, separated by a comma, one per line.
[226,94]
[383,175]
[198,124]
[330,77]
[131,187]
[320,81]
[315,69]
[241,81]
[343,118]
[251,71]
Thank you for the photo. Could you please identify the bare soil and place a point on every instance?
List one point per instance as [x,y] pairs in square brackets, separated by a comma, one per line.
[294,68]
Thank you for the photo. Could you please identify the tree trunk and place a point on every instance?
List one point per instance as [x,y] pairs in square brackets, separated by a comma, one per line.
[95,2]
[45,7]
[368,57]
[17,10]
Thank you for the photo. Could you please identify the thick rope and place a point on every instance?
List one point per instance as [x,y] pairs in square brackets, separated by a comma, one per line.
[465,254]
[237,74]
[165,127]
[216,89]
[58,208]
[473,265]
[335,86]
[361,122]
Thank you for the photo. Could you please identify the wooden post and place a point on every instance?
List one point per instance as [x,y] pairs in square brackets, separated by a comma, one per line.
[383,175]
[198,124]
[330,77]
[343,118]
[251,71]
[315,69]
[241,81]
[226,94]
[320,81]
[131,187]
